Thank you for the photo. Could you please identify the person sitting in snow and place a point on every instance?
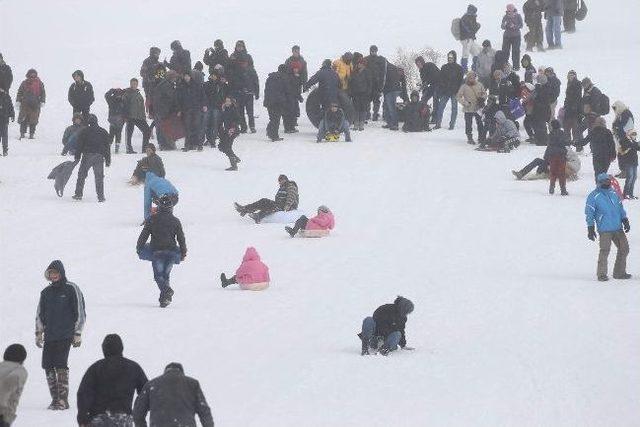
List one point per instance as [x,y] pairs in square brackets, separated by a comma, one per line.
[334,123]
[416,114]
[154,188]
[573,165]
[286,199]
[322,221]
[506,135]
[251,272]
[384,331]
[150,163]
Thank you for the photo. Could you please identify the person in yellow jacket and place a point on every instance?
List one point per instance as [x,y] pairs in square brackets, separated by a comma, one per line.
[343,67]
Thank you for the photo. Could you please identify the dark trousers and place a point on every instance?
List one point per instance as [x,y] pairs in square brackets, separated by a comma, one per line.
[245,103]
[540,131]
[91,161]
[300,224]
[142,127]
[375,100]
[569,20]
[55,354]
[23,128]
[226,145]
[541,164]
[536,35]
[4,135]
[528,126]
[599,167]
[275,113]
[115,132]
[468,125]
[192,125]
[211,124]
[428,93]
[262,207]
[571,129]
[513,44]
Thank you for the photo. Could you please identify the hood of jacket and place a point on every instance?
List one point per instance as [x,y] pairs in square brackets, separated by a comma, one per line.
[619,107]
[251,255]
[500,117]
[59,267]
[112,345]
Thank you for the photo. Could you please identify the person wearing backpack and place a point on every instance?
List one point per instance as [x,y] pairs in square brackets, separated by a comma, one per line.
[598,101]
[31,96]
[468,29]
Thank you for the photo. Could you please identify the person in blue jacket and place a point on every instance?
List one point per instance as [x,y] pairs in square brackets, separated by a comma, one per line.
[154,188]
[604,210]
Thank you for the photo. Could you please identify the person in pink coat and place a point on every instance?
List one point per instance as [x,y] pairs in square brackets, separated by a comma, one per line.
[322,221]
[252,274]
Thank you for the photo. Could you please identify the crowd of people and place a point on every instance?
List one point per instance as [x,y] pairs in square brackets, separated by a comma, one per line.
[214,109]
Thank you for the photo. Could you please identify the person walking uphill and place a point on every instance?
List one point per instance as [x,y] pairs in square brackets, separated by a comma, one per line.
[13,376]
[286,199]
[80,94]
[511,39]
[173,399]
[384,331]
[604,209]
[105,394]
[164,229]
[29,100]
[60,319]
[93,147]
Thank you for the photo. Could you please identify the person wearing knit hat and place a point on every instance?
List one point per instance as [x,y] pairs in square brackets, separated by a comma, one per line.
[13,376]
[319,225]
[472,96]
[80,94]
[105,394]
[286,199]
[511,38]
[572,107]
[385,330]
[469,27]
[604,210]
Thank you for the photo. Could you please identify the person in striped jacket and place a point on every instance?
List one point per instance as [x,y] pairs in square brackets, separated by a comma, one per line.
[286,199]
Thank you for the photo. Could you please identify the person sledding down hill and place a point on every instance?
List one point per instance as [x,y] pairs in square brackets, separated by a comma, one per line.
[286,200]
[504,138]
[333,124]
[252,275]
[317,226]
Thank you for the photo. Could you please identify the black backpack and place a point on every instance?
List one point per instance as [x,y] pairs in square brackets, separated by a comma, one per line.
[581,13]
[604,105]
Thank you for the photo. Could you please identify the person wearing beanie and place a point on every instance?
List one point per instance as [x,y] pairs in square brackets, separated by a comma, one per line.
[152,162]
[93,147]
[529,68]
[328,84]
[7,112]
[29,100]
[172,399]
[604,210]
[148,70]
[180,61]
[105,394]
[323,221]
[60,320]
[252,275]
[286,199]
[80,94]
[472,96]
[541,113]
[244,85]
[385,330]
[593,97]
[486,59]
[277,98]
[511,38]
[532,10]
[6,75]
[556,157]
[451,78]
[377,65]
[13,376]
[469,27]
[572,107]
[70,135]
[553,12]
[167,247]
[602,144]
[216,55]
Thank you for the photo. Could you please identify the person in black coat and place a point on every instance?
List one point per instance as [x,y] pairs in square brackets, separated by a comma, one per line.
[395,85]
[385,330]
[105,394]
[191,105]
[297,70]
[542,97]
[555,85]
[164,230]
[450,79]
[416,114]
[603,147]
[572,107]
[217,55]
[529,70]
[180,61]
[60,320]
[592,96]
[7,113]
[429,76]
[360,89]
[569,18]
[164,100]
[6,75]
[80,94]
[333,122]
[244,85]
[215,90]
[148,70]
[93,147]
[230,122]
[377,64]
[328,84]
[115,102]
[277,98]
[532,10]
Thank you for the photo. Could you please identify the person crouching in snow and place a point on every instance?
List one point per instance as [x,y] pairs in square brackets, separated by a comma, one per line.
[252,275]
[333,123]
[556,156]
[154,188]
[322,221]
[506,135]
[384,331]
[164,229]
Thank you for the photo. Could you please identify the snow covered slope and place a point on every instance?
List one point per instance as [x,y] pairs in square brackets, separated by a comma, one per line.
[510,327]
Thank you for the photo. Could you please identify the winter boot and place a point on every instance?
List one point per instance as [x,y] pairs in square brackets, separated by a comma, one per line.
[252,130]
[384,350]
[52,382]
[603,278]
[63,387]
[224,281]
[375,117]
[623,276]
[517,174]
[130,149]
[21,136]
[470,140]
[240,208]
[169,293]
[563,191]
[365,345]
[256,217]
[117,149]
[32,135]
[164,299]
[76,197]
[291,231]
[552,188]
[234,164]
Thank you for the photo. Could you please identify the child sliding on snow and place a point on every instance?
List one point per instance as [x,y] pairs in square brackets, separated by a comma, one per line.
[252,274]
[384,331]
[322,221]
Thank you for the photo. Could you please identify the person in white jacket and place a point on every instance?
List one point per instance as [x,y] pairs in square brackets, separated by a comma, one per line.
[13,376]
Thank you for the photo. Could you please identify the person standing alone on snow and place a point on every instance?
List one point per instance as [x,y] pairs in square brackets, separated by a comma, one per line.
[13,376]
[60,319]
[93,147]
[384,331]
[80,94]
[30,98]
[604,209]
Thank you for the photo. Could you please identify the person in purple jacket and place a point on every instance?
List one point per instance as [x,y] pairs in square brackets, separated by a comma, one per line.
[512,24]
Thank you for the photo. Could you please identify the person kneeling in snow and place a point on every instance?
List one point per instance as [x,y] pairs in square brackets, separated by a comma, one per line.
[164,229]
[384,331]
[334,123]
[286,200]
[322,221]
[416,115]
[151,162]
[506,135]
[252,275]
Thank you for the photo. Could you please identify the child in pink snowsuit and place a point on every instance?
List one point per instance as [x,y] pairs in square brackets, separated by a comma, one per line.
[252,274]
[322,221]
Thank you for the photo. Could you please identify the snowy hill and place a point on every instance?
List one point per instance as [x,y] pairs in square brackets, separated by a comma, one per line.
[510,326]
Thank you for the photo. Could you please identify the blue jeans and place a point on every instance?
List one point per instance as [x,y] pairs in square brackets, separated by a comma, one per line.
[162,263]
[211,124]
[554,31]
[391,109]
[369,331]
[322,130]
[629,182]
[442,103]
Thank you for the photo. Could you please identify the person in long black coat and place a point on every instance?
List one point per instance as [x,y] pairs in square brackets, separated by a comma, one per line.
[328,84]
[277,98]
[572,107]
[603,147]
[542,98]
[192,104]
[180,61]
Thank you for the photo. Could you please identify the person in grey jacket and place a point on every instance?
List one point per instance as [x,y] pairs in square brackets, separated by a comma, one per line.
[135,115]
[13,376]
[60,320]
[506,135]
[512,24]
[553,12]
[486,58]
[172,399]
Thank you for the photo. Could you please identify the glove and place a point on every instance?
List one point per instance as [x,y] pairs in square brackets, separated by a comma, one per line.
[625,225]
[107,164]
[183,256]
[591,233]
[77,340]
[204,109]
[39,340]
